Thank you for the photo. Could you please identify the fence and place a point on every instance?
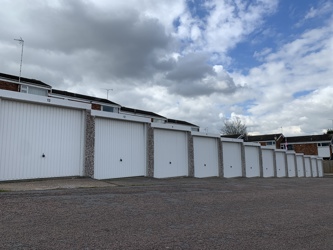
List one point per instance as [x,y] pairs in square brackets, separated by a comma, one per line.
[328,166]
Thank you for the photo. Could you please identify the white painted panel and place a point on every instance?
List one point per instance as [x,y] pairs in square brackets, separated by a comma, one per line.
[120,149]
[291,161]
[280,164]
[170,153]
[324,151]
[252,161]
[232,159]
[300,165]
[320,167]
[307,166]
[29,131]
[268,162]
[205,156]
[314,167]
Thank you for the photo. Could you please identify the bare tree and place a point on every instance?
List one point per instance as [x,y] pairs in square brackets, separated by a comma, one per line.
[234,127]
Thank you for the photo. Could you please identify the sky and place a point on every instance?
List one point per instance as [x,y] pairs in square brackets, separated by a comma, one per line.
[267,62]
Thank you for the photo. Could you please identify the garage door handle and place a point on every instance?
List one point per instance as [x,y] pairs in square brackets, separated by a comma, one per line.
[121,159]
[169,162]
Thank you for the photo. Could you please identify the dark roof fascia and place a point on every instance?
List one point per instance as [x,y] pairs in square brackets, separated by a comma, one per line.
[141,112]
[75,96]
[309,138]
[237,136]
[263,138]
[23,80]
[180,122]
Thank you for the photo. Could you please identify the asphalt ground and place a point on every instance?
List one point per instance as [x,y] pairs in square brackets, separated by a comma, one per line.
[182,213]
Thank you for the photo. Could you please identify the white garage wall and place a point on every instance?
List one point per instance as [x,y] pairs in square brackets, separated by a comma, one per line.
[30,131]
[170,153]
[120,149]
[268,162]
[205,156]
[300,165]
[281,166]
[291,162]
[252,159]
[232,158]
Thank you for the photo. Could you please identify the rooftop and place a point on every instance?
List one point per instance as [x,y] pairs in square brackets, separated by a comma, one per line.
[141,112]
[84,97]
[23,80]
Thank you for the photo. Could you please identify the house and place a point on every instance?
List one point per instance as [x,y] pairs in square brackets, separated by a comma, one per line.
[24,85]
[270,140]
[96,103]
[320,145]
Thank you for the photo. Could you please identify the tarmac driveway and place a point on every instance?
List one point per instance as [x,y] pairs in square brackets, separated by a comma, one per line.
[185,213]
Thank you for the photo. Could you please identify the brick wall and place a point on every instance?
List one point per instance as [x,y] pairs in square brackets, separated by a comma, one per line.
[307,149]
[95,106]
[9,86]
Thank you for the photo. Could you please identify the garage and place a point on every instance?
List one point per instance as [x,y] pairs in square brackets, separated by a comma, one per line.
[300,165]
[205,155]
[120,145]
[281,166]
[320,167]
[170,152]
[232,157]
[307,166]
[291,162]
[268,162]
[252,159]
[40,140]
[314,166]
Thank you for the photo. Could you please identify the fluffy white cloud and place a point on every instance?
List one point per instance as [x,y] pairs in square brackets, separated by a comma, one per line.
[173,58]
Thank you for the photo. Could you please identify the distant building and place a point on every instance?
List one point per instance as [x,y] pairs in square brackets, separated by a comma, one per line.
[320,145]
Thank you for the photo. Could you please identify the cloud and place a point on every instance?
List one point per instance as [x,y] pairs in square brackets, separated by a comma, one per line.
[174,57]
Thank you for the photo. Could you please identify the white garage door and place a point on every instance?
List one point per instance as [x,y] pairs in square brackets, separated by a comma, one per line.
[307,166]
[170,153]
[39,141]
[314,167]
[252,161]
[205,156]
[268,162]
[120,149]
[280,164]
[291,161]
[300,166]
[232,159]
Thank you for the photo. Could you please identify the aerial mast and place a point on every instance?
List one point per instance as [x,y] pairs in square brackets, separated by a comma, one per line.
[21,41]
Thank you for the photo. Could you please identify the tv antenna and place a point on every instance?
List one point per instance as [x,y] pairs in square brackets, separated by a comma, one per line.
[107,93]
[21,41]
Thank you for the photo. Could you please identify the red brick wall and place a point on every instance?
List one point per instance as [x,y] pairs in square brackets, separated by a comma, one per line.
[9,86]
[95,106]
[307,149]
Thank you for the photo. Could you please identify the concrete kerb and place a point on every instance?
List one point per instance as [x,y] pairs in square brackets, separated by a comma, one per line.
[54,183]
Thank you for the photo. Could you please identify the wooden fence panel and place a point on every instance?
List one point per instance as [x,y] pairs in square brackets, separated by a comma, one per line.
[328,166]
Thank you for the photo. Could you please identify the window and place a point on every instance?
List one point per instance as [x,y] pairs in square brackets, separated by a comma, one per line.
[158,120]
[33,90]
[270,143]
[109,109]
[323,144]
